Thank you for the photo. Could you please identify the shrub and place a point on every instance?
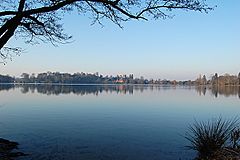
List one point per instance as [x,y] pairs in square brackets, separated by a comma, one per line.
[210,137]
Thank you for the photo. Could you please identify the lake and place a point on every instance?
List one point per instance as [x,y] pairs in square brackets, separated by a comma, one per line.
[108,122]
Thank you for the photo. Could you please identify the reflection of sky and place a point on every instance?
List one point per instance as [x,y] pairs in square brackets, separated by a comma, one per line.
[144,125]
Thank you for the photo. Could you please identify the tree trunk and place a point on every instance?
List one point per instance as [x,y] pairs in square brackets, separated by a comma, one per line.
[8,29]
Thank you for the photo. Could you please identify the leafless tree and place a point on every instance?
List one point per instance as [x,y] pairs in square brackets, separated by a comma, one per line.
[37,20]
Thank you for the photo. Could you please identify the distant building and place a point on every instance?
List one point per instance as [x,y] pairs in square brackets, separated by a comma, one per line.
[120,81]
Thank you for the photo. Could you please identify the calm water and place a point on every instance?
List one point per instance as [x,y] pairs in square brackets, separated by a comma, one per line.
[108,122]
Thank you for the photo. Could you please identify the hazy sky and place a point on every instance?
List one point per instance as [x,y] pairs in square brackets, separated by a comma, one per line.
[180,48]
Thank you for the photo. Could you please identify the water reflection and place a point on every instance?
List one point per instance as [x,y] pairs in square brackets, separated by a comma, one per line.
[148,122]
[6,87]
[226,91]
[121,89]
[68,89]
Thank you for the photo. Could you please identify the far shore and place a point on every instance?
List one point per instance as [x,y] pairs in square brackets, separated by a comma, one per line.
[115,84]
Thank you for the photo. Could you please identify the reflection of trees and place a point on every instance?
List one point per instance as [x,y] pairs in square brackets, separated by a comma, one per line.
[80,89]
[6,86]
[119,89]
[239,92]
[76,89]
[227,91]
[201,90]
[220,90]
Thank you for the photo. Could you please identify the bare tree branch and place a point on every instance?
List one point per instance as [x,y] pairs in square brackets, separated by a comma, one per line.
[40,20]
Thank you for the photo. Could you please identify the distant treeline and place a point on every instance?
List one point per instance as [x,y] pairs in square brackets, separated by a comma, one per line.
[6,79]
[223,80]
[88,78]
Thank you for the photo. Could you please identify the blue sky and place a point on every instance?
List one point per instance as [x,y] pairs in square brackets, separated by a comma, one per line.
[180,48]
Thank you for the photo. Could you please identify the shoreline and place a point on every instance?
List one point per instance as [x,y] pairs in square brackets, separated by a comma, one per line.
[117,84]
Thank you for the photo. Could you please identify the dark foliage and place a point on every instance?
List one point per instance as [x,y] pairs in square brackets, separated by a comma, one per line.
[212,137]
[6,79]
